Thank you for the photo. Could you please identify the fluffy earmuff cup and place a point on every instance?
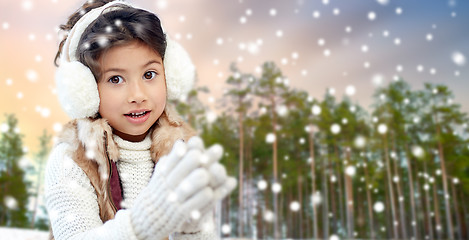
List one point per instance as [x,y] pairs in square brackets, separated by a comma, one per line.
[179,70]
[77,90]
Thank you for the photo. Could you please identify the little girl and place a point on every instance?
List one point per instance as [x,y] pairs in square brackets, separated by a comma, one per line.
[127,166]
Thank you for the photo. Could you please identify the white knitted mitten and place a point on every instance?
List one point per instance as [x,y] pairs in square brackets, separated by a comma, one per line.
[178,187]
[221,184]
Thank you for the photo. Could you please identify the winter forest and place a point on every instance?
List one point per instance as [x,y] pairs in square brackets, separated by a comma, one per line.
[311,168]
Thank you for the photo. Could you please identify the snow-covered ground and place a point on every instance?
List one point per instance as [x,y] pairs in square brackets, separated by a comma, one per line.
[22,234]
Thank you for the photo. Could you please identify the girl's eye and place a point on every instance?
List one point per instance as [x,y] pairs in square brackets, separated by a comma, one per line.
[116,79]
[149,75]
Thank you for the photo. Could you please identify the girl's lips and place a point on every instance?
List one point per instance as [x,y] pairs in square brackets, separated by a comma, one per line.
[138,117]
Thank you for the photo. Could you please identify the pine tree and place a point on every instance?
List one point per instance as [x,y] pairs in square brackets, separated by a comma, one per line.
[239,93]
[40,158]
[13,186]
[271,85]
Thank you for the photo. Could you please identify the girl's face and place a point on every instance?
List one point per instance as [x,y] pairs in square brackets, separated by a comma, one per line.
[132,89]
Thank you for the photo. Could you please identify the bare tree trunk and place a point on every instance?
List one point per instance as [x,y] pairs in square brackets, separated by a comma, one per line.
[241,172]
[342,203]
[313,182]
[465,222]
[306,219]
[335,219]
[449,224]
[360,209]
[370,203]
[3,213]
[427,201]
[388,215]
[420,204]
[291,219]
[300,200]
[325,198]
[274,148]
[260,222]
[250,196]
[281,206]
[436,211]
[267,227]
[456,210]
[349,200]
[400,195]
[414,222]
[38,187]
[391,191]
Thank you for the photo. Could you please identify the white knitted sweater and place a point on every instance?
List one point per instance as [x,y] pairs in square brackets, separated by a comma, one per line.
[72,202]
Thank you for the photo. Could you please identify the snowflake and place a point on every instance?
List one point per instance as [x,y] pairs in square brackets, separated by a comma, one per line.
[295,206]
[32,75]
[398,11]
[321,42]
[276,187]
[195,214]
[336,11]
[383,2]
[268,216]
[334,237]
[429,37]
[364,48]
[350,170]
[211,116]
[27,5]
[279,33]
[458,58]
[316,14]
[162,4]
[226,229]
[335,128]
[262,185]
[378,207]
[5,25]
[382,128]
[273,12]
[243,20]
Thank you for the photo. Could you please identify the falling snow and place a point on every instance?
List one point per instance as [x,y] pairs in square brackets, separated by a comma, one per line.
[370,56]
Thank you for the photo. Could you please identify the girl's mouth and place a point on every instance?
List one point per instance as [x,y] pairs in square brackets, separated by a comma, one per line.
[137,114]
[138,117]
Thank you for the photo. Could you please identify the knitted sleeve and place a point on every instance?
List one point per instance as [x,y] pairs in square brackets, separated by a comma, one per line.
[72,204]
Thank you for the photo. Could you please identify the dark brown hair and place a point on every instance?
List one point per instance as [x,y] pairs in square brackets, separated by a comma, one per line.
[113,28]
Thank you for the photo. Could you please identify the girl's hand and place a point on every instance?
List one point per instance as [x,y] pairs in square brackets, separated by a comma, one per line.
[179,186]
[219,182]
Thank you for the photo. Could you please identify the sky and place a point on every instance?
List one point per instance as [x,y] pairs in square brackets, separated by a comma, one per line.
[350,46]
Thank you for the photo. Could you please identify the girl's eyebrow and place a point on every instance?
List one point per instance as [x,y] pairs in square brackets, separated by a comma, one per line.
[123,70]
[152,62]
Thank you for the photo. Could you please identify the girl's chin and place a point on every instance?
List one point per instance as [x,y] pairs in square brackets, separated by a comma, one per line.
[134,137]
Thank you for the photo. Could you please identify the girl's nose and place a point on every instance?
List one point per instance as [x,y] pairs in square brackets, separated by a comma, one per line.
[136,92]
